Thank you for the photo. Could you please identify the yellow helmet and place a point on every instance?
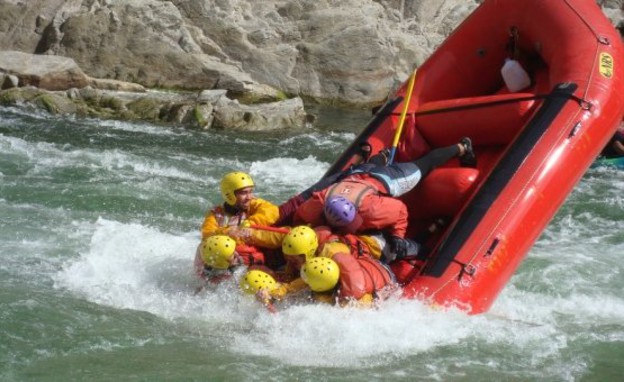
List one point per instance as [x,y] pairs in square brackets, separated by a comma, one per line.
[301,240]
[320,273]
[217,251]
[234,181]
[256,280]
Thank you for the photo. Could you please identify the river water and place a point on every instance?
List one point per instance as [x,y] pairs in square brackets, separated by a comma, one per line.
[99,221]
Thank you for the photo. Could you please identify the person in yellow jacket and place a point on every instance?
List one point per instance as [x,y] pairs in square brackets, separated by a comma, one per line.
[241,208]
[296,244]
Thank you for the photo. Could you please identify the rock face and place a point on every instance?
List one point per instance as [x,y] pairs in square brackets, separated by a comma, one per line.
[350,52]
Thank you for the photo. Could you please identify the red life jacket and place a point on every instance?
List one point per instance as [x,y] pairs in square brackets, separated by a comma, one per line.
[250,255]
[361,275]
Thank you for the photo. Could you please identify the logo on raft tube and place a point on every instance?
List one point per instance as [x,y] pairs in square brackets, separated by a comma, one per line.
[606,65]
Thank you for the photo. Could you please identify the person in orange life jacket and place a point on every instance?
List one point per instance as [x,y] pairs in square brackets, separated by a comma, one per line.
[240,208]
[348,280]
[615,147]
[372,188]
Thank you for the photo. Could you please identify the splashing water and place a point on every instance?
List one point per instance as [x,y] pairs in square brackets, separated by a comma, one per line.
[100,221]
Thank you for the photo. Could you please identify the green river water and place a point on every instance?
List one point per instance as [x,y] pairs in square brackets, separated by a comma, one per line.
[98,226]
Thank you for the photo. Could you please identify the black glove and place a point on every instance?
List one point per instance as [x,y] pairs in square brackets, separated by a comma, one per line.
[399,248]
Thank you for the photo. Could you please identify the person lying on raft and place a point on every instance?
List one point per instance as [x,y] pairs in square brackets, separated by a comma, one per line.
[287,209]
[240,208]
[367,197]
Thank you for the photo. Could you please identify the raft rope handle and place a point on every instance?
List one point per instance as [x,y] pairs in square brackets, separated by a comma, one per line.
[270,229]
[493,246]
[600,38]
[466,269]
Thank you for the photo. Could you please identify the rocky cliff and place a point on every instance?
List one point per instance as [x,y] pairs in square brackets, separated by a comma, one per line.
[350,52]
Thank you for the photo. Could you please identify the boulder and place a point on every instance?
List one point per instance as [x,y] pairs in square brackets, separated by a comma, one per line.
[205,110]
[276,115]
[44,72]
[8,81]
[107,84]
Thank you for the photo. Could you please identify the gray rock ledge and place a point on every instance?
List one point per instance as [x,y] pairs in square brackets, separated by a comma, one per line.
[58,85]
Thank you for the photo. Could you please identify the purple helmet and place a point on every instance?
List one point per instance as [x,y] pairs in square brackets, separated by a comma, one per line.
[339,211]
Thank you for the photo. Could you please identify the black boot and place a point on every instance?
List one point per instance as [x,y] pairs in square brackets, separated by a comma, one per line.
[468,159]
[381,158]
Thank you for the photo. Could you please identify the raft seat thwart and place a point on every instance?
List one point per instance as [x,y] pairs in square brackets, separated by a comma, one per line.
[487,120]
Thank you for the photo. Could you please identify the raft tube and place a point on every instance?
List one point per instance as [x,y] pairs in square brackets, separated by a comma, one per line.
[532,145]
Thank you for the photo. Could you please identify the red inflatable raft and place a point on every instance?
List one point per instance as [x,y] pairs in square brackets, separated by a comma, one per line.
[532,145]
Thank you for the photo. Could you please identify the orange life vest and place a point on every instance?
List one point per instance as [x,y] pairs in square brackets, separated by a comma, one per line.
[361,275]
[353,190]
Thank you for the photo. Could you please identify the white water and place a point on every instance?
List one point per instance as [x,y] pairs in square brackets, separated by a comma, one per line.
[564,301]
